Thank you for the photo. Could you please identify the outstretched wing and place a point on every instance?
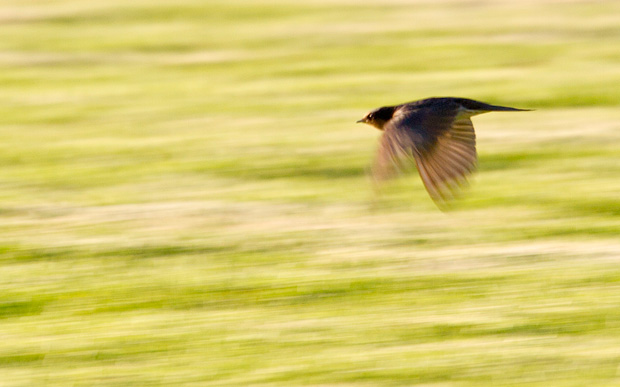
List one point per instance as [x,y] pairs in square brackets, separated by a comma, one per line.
[440,140]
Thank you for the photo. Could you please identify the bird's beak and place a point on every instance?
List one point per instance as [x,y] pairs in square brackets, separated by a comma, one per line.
[362,121]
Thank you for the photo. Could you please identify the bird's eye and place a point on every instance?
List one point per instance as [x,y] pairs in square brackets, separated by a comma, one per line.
[370,116]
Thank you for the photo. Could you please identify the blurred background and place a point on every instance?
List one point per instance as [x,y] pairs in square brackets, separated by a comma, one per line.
[185,201]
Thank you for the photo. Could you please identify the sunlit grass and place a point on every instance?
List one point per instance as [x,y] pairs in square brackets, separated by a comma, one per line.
[185,199]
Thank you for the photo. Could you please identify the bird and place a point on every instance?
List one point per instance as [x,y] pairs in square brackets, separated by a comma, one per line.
[434,134]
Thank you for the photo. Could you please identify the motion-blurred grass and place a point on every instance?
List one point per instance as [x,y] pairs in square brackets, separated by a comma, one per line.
[184,198]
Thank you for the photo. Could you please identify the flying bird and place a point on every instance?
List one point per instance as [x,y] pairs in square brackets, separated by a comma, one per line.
[435,134]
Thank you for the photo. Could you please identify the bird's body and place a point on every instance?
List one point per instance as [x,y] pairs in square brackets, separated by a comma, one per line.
[437,135]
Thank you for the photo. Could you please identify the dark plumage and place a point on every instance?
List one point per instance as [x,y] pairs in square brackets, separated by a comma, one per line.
[437,135]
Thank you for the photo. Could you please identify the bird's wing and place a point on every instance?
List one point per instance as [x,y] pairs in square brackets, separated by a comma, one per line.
[439,140]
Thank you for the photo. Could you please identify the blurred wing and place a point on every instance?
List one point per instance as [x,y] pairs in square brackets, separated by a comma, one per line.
[441,143]
[392,157]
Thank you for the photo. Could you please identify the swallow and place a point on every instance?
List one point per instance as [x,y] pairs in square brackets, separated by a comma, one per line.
[434,134]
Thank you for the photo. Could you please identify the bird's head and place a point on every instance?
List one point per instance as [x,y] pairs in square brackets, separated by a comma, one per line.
[378,117]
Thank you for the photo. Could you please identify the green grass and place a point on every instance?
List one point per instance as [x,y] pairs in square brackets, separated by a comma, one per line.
[184,198]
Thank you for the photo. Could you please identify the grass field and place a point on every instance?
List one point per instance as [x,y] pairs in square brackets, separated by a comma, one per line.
[184,198]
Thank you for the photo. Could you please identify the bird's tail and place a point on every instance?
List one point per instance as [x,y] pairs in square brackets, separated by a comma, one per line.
[497,108]
[481,107]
